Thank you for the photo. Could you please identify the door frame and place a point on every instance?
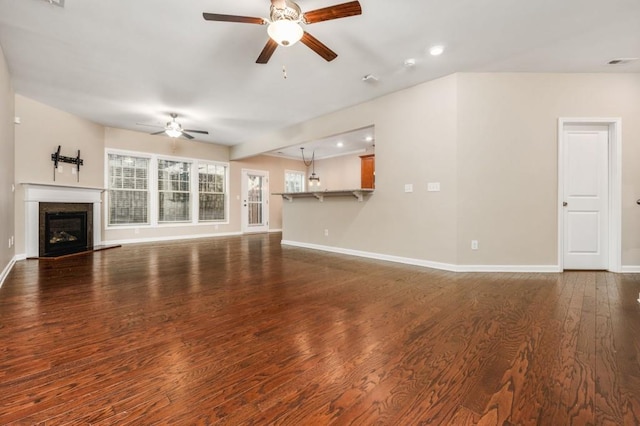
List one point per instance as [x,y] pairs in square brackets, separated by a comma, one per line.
[244,213]
[614,149]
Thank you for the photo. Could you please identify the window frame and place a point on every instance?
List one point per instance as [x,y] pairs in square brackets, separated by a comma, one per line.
[154,193]
[190,164]
[149,191]
[298,172]
[225,189]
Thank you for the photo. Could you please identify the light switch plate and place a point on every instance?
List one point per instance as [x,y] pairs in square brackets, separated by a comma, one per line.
[433,186]
[408,187]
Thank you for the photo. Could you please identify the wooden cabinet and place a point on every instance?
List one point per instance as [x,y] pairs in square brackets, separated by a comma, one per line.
[368,171]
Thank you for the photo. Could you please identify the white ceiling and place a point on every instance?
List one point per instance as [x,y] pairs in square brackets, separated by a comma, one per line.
[122,62]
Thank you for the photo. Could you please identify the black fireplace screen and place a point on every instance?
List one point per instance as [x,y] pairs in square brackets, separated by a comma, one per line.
[65,232]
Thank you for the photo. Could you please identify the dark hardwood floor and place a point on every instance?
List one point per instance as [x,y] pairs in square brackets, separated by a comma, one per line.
[243,331]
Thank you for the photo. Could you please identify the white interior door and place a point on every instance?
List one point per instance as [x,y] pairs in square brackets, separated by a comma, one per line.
[255,201]
[586,197]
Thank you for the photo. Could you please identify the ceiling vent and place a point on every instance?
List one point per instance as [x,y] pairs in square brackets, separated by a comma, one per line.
[621,61]
[56,2]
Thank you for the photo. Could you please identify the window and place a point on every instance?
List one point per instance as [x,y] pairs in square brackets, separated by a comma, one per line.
[212,192]
[128,186]
[152,190]
[294,181]
[174,191]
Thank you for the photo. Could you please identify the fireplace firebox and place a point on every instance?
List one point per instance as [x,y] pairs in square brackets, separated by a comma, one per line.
[65,232]
[65,228]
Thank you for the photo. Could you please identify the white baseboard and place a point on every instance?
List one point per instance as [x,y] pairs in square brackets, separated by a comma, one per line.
[171,238]
[6,270]
[427,263]
[509,268]
[630,269]
[377,256]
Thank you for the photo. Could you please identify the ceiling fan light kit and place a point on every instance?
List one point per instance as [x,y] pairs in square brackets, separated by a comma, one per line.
[284,25]
[285,32]
[173,129]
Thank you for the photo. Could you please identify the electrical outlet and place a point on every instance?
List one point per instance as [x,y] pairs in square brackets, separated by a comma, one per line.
[433,186]
[73,171]
[9,243]
[474,244]
[13,241]
[60,169]
[408,187]
[326,232]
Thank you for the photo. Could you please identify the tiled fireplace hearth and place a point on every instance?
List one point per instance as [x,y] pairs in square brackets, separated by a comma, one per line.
[61,219]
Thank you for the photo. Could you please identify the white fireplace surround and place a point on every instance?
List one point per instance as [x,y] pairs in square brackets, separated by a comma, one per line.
[36,193]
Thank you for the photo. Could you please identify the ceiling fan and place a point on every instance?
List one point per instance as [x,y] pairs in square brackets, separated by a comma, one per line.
[173,129]
[284,28]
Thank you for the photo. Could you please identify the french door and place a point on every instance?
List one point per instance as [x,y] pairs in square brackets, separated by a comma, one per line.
[255,201]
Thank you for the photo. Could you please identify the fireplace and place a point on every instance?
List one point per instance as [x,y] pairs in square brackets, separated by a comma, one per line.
[65,228]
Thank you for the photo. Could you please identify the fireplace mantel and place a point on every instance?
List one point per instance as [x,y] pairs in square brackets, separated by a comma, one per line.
[35,193]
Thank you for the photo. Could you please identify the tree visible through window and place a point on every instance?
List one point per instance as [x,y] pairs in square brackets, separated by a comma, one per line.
[174,196]
[294,181]
[128,189]
[212,192]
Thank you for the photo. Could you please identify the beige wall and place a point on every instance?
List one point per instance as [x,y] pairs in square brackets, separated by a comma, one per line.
[340,172]
[491,142]
[508,160]
[142,142]
[120,139]
[42,129]
[415,144]
[276,167]
[6,165]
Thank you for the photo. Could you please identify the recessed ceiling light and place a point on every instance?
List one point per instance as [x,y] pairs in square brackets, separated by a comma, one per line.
[436,50]
[56,2]
[369,139]
[339,144]
[409,62]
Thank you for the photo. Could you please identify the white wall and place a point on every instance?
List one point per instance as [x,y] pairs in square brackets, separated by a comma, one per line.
[6,168]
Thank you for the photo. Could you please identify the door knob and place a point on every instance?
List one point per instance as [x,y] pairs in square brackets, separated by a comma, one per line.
[565,204]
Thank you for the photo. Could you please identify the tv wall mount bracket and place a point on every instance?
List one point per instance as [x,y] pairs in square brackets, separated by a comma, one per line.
[57,158]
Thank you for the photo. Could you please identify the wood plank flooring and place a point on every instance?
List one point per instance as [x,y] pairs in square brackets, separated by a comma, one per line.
[240,330]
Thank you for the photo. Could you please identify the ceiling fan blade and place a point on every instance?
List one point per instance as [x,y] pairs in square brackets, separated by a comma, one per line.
[157,133]
[149,125]
[186,135]
[204,132]
[233,18]
[266,53]
[317,46]
[333,12]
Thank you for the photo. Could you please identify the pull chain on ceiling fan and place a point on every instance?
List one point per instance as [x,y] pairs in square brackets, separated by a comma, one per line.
[284,28]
